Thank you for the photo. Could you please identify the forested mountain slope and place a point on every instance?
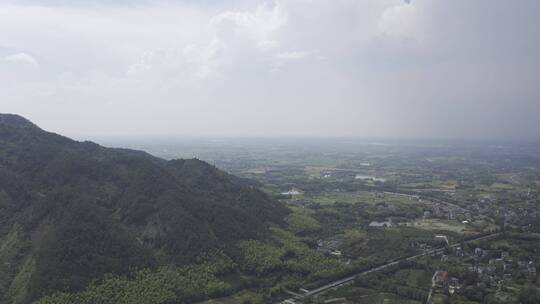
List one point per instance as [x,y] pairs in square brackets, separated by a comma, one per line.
[73,211]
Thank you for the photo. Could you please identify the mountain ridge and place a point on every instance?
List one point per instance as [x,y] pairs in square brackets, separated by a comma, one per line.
[71,211]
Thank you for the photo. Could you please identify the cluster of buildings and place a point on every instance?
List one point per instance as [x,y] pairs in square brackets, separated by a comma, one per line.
[446,211]
[493,268]
[442,281]
[489,268]
[498,266]
[496,209]
[381,224]
[428,245]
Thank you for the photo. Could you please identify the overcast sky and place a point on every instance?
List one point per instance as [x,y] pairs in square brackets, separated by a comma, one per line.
[390,68]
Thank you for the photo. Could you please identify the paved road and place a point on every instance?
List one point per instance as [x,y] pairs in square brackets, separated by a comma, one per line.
[351,278]
[432,286]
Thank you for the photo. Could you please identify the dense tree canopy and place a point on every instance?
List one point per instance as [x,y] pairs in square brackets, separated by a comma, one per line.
[71,212]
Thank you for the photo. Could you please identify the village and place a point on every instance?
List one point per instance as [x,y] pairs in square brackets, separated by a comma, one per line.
[485,269]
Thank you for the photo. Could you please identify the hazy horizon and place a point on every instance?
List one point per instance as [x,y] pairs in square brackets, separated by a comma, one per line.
[388,69]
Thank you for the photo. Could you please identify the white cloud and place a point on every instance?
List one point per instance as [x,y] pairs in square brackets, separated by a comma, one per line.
[400,21]
[232,38]
[22,58]
[261,24]
[283,58]
[231,67]
[136,69]
[298,55]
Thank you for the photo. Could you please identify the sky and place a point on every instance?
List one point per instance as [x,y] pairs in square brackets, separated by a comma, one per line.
[285,68]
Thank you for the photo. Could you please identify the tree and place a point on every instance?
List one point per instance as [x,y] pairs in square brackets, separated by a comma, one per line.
[529,295]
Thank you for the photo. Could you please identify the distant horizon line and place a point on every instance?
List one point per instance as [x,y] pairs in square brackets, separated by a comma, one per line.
[143,138]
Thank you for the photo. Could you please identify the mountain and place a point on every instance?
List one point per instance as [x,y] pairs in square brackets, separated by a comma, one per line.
[71,212]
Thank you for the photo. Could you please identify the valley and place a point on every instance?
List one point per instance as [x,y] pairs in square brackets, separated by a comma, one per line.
[427,205]
[335,221]
[269,152]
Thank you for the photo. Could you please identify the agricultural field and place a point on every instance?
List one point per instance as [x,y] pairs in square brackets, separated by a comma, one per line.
[441,225]
[356,206]
[366,197]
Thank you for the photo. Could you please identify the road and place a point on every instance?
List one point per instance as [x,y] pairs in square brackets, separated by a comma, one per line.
[428,301]
[351,278]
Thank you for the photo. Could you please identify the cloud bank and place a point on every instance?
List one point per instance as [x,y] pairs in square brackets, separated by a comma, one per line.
[391,68]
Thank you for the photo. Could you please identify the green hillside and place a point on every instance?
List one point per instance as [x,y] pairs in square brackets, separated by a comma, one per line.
[72,212]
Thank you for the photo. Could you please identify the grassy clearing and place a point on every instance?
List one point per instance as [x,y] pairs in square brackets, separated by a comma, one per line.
[437,224]
[500,244]
[501,186]
[416,185]
[413,277]
[329,198]
[301,221]
[361,295]
[241,297]
[483,226]
[494,188]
